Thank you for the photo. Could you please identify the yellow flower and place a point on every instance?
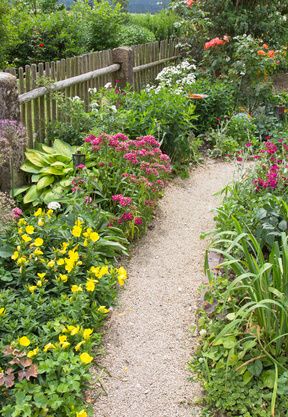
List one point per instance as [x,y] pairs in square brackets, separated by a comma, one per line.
[78,223]
[76,231]
[32,288]
[95,270]
[86,358]
[248,115]
[73,331]
[103,310]
[60,262]
[69,264]
[40,221]
[49,346]
[39,283]
[2,311]
[63,278]
[21,222]
[62,338]
[32,352]
[51,263]
[104,270]
[29,230]
[81,414]
[85,242]
[48,213]
[26,238]
[20,231]
[90,285]
[41,275]
[122,275]
[94,237]
[22,261]
[24,341]
[64,344]
[15,256]
[38,242]
[73,255]
[38,212]
[77,347]
[75,288]
[87,333]
[38,251]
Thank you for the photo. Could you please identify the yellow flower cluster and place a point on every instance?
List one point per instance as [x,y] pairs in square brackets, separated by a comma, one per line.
[122,275]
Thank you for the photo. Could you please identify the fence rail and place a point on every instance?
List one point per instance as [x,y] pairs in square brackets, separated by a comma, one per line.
[74,76]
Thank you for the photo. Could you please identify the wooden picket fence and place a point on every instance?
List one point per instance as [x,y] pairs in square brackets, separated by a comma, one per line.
[149,59]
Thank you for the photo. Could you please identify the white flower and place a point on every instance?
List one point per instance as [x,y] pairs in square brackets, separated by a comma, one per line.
[108,85]
[113,108]
[203,333]
[76,98]
[92,90]
[54,205]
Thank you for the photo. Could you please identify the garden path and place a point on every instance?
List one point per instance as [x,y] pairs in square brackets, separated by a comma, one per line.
[148,340]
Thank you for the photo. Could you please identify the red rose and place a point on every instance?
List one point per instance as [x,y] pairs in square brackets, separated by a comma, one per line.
[41,44]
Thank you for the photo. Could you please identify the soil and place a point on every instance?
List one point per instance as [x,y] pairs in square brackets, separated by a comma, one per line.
[147,339]
[280,81]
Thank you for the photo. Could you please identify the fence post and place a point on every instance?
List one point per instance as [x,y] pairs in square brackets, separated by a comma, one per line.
[124,57]
[10,109]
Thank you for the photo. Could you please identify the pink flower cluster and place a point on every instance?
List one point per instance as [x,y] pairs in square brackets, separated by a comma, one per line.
[16,212]
[75,182]
[216,41]
[124,201]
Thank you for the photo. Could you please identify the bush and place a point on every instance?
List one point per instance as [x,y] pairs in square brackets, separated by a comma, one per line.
[133,35]
[104,26]
[161,24]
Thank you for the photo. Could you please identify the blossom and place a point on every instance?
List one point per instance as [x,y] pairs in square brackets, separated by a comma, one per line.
[32,288]
[48,346]
[76,288]
[122,275]
[248,144]
[239,159]
[76,231]
[38,212]
[54,205]
[190,2]
[26,238]
[2,311]
[265,46]
[24,341]
[103,310]
[87,333]
[63,278]
[38,242]
[271,54]
[280,140]
[41,44]
[16,212]
[41,276]
[261,52]
[90,285]
[15,256]
[81,166]
[81,414]
[77,347]
[32,352]
[86,358]
[94,236]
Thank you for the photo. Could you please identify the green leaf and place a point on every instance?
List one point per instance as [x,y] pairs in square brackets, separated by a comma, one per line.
[40,400]
[229,342]
[31,195]
[47,149]
[36,177]
[268,378]
[20,190]
[36,159]
[255,367]
[29,167]
[51,196]
[52,170]
[44,182]
[218,342]
[230,316]
[247,377]
[283,225]
[63,148]
[6,251]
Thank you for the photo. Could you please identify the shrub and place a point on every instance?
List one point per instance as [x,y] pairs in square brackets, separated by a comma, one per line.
[161,24]
[132,34]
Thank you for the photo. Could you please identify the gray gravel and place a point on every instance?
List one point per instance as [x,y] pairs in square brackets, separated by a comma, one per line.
[148,341]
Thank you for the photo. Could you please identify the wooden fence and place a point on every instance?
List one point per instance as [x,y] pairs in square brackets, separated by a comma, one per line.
[37,108]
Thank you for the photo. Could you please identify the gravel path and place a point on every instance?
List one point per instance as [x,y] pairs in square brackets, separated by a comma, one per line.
[148,340]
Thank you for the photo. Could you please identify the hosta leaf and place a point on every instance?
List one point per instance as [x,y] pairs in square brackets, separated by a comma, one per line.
[36,159]
[44,182]
[31,195]
[52,170]
[255,367]
[47,149]
[268,378]
[65,183]
[58,163]
[27,166]
[36,177]
[63,148]
[51,196]
[63,158]
[17,191]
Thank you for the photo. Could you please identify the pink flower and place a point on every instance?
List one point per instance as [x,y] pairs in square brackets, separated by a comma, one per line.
[16,212]
[116,81]
[249,144]
[280,140]
[116,91]
[219,118]
[239,159]
[138,220]
[268,137]
[257,156]
[81,166]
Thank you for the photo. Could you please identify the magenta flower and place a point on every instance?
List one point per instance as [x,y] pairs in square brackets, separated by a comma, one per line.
[239,159]
[280,140]
[257,156]
[81,166]
[249,144]
[219,118]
